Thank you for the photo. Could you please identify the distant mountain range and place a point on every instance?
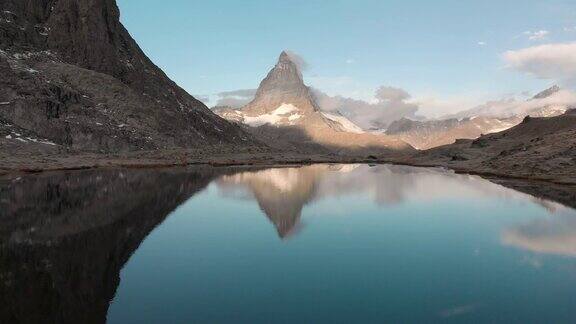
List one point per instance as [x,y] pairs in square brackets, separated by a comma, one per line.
[473,123]
[285,105]
[538,148]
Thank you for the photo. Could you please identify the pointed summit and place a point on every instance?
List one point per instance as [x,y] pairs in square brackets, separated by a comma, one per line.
[285,76]
[284,56]
[283,85]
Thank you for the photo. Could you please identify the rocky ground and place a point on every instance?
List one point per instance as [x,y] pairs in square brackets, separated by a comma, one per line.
[538,149]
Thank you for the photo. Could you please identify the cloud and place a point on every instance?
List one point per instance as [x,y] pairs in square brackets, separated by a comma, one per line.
[510,106]
[350,61]
[235,98]
[238,93]
[298,60]
[233,102]
[551,61]
[570,29]
[482,43]
[202,98]
[537,35]
[392,94]
[391,105]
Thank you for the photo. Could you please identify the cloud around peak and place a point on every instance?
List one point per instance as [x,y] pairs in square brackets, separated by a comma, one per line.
[391,105]
[297,59]
[550,61]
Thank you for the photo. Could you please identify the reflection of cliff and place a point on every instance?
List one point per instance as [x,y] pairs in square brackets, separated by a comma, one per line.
[64,238]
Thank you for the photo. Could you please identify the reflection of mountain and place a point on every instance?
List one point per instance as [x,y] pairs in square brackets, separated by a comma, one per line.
[283,193]
[65,237]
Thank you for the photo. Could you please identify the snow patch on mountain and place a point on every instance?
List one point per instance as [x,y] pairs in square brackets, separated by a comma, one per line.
[285,114]
[346,124]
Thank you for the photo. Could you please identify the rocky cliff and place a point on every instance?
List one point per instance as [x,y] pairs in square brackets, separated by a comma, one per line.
[73,79]
[66,236]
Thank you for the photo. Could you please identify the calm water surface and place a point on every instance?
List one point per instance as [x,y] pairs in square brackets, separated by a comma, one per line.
[317,244]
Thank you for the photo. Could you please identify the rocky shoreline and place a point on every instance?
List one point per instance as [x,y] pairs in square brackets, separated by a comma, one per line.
[543,185]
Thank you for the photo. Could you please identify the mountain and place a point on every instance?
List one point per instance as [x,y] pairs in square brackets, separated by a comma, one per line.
[283,103]
[553,101]
[537,148]
[473,123]
[424,135]
[72,79]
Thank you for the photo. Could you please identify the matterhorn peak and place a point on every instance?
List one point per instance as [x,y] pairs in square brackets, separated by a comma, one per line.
[284,56]
[283,85]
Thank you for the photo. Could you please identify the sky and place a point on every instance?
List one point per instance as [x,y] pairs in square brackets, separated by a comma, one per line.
[447,55]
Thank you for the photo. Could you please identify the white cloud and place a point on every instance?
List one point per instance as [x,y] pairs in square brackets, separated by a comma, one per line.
[570,29]
[298,60]
[550,61]
[511,106]
[435,106]
[536,35]
[390,105]
[482,43]
[350,61]
[235,98]
[391,94]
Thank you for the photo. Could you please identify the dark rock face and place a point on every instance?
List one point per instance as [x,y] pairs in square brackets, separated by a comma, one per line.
[71,74]
[65,237]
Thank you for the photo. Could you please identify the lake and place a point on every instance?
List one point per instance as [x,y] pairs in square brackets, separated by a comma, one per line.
[311,244]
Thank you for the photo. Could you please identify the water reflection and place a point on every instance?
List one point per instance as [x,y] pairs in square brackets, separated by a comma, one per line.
[283,193]
[554,235]
[64,237]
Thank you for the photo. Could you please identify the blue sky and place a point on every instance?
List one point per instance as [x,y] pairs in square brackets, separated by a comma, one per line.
[446,49]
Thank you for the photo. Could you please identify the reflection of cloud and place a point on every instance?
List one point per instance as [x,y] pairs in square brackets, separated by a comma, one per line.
[459,310]
[554,235]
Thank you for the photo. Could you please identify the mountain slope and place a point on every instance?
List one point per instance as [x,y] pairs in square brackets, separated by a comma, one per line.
[424,135]
[476,122]
[283,102]
[537,148]
[72,76]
